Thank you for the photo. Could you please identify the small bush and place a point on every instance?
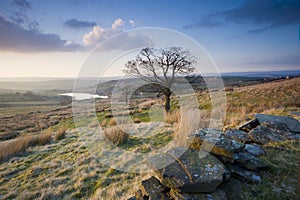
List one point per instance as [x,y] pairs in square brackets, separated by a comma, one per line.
[61,133]
[115,135]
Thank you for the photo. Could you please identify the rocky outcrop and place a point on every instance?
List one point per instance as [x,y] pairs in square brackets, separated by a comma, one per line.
[221,146]
[233,155]
[292,124]
[189,173]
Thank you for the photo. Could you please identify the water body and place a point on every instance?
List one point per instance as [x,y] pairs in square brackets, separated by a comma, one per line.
[84,96]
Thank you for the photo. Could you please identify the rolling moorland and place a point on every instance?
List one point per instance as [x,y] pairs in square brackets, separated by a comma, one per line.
[43,157]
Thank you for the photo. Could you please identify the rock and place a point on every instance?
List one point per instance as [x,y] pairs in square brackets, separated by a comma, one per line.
[188,173]
[226,175]
[254,149]
[264,135]
[216,195]
[248,126]
[153,189]
[217,144]
[243,174]
[132,198]
[249,161]
[292,124]
[238,135]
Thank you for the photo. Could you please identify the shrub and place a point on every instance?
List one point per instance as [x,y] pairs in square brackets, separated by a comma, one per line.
[61,133]
[115,135]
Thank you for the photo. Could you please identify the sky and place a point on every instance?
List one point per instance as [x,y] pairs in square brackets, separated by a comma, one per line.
[40,38]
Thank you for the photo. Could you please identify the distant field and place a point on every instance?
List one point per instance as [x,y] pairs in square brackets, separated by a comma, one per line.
[25,107]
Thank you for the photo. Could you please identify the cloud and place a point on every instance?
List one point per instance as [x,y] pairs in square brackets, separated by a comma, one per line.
[123,41]
[99,34]
[132,23]
[14,37]
[21,3]
[265,14]
[77,24]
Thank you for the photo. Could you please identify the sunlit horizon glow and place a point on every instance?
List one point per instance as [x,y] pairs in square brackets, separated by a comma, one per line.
[54,39]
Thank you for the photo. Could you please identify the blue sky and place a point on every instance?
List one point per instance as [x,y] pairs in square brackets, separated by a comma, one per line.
[53,38]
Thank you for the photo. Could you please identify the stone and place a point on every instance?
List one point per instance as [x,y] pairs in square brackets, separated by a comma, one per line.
[216,195]
[153,189]
[188,172]
[213,141]
[238,135]
[292,124]
[254,149]
[249,161]
[248,126]
[226,175]
[264,135]
[243,174]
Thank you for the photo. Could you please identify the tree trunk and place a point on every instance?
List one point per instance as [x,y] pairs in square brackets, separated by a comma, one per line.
[167,102]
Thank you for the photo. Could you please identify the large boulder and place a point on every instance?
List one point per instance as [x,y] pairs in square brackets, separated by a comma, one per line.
[263,135]
[272,132]
[292,124]
[188,172]
[213,140]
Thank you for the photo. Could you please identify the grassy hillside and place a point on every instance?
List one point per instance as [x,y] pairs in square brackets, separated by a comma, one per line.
[66,169]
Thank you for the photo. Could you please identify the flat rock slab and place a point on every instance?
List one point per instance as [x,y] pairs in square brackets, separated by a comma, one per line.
[254,149]
[188,172]
[214,142]
[292,124]
[237,135]
[243,174]
[216,195]
[249,161]
[271,132]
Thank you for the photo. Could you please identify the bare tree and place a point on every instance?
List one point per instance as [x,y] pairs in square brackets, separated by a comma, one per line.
[160,67]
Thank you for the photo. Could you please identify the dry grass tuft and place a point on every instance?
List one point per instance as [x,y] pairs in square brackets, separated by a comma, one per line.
[115,135]
[173,117]
[61,133]
[12,147]
[112,122]
[41,139]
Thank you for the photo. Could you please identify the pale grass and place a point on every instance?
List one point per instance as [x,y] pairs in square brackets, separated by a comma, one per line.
[188,124]
[12,147]
[173,117]
[112,122]
[61,133]
[116,135]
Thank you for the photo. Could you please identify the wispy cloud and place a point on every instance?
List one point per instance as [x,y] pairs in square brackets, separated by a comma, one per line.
[74,23]
[14,37]
[265,14]
[21,3]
